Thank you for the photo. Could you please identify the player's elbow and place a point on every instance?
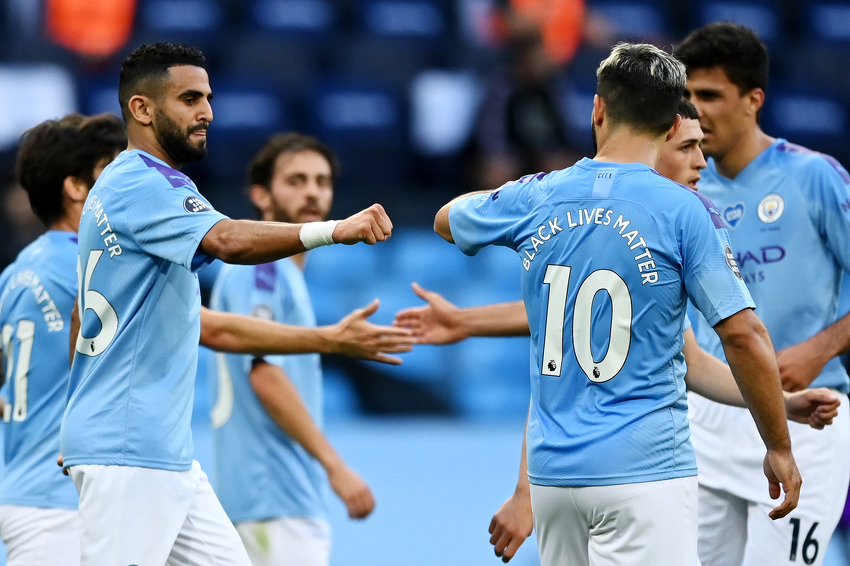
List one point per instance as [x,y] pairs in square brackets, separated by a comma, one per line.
[223,242]
[742,330]
[441,224]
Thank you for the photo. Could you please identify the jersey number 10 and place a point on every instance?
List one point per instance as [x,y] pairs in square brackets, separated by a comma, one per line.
[558,279]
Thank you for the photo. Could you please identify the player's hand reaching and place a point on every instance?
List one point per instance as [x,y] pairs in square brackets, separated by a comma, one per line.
[782,475]
[369,226]
[352,490]
[815,407]
[512,524]
[355,336]
[438,322]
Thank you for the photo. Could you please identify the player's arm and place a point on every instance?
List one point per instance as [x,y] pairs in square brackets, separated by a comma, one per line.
[441,221]
[749,351]
[800,364]
[514,521]
[281,400]
[253,242]
[75,329]
[441,322]
[713,379]
[353,336]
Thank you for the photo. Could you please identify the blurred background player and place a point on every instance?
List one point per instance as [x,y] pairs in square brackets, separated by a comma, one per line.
[608,406]
[58,163]
[272,462]
[786,210]
[144,233]
[440,322]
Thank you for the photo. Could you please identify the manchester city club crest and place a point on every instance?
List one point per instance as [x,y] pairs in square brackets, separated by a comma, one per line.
[771,208]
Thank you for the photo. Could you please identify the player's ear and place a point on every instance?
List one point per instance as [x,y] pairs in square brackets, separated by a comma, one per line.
[597,115]
[261,197]
[141,108]
[754,101]
[74,189]
[677,123]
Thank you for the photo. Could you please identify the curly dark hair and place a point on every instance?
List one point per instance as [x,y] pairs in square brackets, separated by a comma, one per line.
[69,147]
[143,71]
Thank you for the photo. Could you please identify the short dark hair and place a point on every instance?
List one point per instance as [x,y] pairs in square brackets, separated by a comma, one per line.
[261,168]
[734,48]
[641,86]
[687,110]
[56,149]
[143,70]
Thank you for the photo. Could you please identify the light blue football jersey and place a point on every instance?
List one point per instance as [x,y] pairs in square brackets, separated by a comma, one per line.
[259,472]
[788,215]
[610,254]
[132,381]
[36,299]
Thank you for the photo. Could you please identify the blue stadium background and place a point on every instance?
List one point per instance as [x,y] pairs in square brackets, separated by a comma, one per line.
[393,87]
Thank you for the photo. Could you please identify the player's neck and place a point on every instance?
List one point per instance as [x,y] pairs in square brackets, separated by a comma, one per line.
[70,219]
[148,144]
[624,146]
[746,149]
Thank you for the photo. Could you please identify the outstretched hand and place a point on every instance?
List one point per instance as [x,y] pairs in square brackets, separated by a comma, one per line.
[357,337]
[353,491]
[438,322]
[370,226]
[815,407]
[511,525]
[782,475]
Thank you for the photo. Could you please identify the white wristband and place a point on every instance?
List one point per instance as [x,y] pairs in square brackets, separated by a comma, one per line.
[315,234]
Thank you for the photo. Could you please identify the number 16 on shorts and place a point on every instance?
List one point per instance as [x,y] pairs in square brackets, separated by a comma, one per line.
[809,548]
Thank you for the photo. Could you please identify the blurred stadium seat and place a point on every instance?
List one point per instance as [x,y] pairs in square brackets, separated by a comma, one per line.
[443,106]
[761,16]
[30,94]
[827,21]
[634,20]
[808,117]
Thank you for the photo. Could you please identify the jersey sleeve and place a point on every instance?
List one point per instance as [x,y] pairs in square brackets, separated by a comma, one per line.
[488,219]
[832,182]
[712,279]
[170,223]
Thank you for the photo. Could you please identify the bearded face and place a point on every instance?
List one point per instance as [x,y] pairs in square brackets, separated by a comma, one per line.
[180,144]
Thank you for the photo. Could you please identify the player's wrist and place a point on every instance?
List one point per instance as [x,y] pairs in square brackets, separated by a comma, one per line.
[317,234]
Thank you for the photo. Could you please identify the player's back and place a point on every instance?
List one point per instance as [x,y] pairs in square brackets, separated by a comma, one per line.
[610,253]
[36,298]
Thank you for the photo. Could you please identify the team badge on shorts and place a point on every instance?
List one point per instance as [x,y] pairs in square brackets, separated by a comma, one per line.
[771,208]
[194,204]
[730,261]
[733,214]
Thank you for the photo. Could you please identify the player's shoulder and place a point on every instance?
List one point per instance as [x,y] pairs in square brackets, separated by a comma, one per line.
[135,167]
[803,162]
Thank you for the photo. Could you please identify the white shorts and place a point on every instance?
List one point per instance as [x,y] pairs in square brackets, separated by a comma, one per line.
[639,524]
[287,541]
[40,537]
[734,528]
[131,515]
